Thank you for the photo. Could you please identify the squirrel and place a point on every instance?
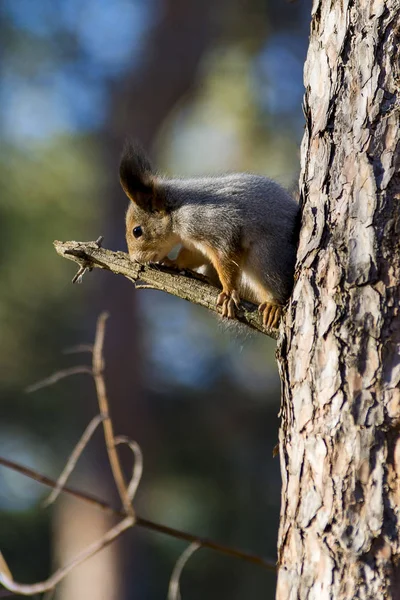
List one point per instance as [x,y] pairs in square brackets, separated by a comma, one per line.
[244,225]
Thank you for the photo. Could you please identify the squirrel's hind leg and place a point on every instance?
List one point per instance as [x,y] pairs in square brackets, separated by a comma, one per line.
[253,290]
[269,306]
[271,314]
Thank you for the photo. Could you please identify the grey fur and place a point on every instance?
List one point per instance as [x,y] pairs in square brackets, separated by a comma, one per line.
[245,224]
[243,208]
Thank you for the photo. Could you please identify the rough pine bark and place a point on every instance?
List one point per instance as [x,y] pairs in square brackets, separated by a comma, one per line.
[339,351]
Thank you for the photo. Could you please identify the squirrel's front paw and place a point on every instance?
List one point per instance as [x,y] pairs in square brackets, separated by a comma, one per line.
[228,301]
[168,262]
[271,314]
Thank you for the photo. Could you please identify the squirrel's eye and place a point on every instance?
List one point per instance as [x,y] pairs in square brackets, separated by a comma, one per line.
[137,231]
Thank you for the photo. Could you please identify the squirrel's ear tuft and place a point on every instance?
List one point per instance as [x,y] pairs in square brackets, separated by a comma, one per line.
[135,171]
[138,179]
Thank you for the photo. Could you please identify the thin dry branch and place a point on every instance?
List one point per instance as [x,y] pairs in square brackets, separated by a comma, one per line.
[137,464]
[98,368]
[8,582]
[97,372]
[126,492]
[79,348]
[140,521]
[73,459]
[174,592]
[189,286]
[58,376]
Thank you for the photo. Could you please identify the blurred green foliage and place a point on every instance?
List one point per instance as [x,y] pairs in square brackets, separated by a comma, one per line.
[48,191]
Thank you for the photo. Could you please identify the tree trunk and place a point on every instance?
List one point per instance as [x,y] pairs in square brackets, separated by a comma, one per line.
[339,351]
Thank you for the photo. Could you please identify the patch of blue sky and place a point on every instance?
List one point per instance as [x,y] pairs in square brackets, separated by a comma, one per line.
[39,16]
[86,100]
[70,96]
[181,347]
[278,74]
[58,103]
[111,33]
[183,361]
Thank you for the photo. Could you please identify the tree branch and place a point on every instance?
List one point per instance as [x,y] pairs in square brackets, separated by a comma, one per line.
[9,583]
[189,286]
[140,521]
[98,369]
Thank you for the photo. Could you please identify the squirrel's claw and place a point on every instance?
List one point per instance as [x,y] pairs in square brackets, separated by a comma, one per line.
[228,301]
[271,314]
[168,262]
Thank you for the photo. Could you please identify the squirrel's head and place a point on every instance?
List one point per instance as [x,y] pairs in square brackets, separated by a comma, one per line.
[149,232]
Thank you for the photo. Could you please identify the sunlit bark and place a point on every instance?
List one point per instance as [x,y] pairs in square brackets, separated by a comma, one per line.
[339,353]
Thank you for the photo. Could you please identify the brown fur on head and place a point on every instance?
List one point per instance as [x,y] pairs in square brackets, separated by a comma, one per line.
[149,233]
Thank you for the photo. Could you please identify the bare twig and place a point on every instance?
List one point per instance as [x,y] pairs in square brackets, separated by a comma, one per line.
[137,465]
[140,521]
[189,286]
[97,373]
[49,595]
[174,592]
[4,569]
[4,566]
[78,277]
[73,459]
[38,588]
[126,492]
[98,367]
[57,376]
[79,348]
[43,479]
[144,286]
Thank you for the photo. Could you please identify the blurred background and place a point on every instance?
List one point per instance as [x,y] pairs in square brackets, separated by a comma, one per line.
[207,86]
